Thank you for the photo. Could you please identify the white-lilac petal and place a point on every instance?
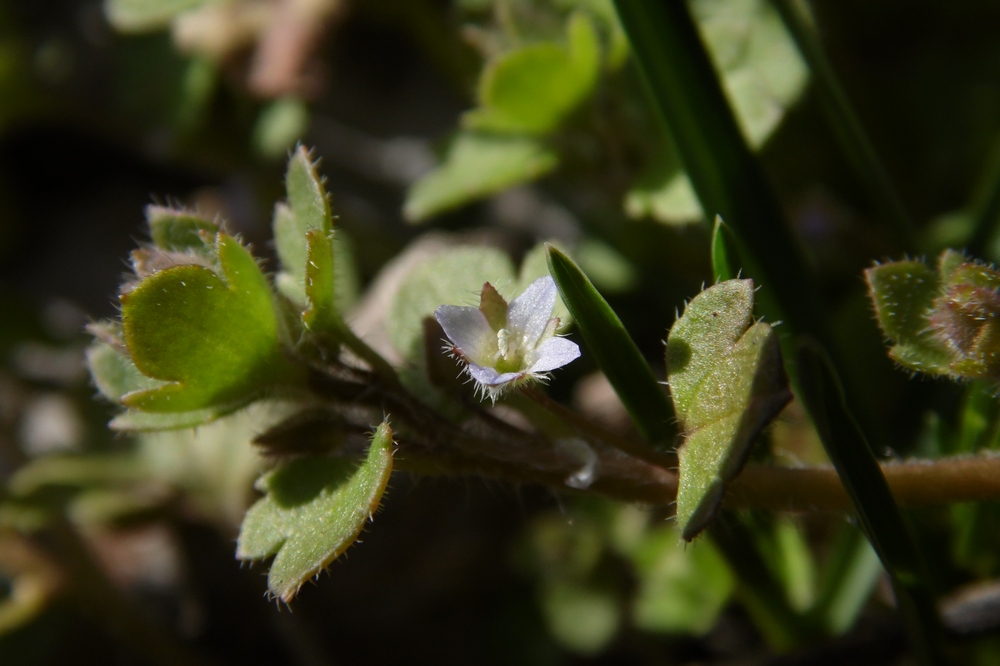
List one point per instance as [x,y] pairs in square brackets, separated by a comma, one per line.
[554,353]
[529,313]
[468,330]
[487,376]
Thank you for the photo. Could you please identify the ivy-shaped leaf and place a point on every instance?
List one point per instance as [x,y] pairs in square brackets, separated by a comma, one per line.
[313,510]
[213,338]
[903,294]
[727,382]
[941,322]
[175,230]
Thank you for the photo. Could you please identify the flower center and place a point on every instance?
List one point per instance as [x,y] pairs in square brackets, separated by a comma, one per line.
[509,357]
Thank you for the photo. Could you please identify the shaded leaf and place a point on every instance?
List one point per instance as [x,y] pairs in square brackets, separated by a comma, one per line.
[476,166]
[727,382]
[313,510]
[321,313]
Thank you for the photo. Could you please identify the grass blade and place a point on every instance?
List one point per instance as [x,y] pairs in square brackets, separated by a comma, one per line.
[614,350]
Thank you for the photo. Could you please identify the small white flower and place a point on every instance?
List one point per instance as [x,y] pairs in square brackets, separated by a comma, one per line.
[506,345]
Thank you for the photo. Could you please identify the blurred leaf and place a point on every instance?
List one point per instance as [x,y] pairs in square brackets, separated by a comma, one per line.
[74,471]
[279,125]
[614,350]
[727,382]
[454,276]
[849,579]
[114,373]
[762,74]
[881,518]
[313,510]
[682,590]
[214,465]
[215,339]
[603,264]
[476,166]
[762,70]
[144,15]
[532,89]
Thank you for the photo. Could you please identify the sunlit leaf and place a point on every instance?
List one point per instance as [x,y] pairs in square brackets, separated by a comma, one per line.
[727,382]
[143,15]
[532,89]
[213,338]
[312,511]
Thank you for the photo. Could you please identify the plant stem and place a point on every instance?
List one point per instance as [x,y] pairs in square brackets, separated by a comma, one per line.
[845,121]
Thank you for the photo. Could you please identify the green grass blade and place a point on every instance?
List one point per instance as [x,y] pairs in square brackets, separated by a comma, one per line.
[877,510]
[614,350]
[725,174]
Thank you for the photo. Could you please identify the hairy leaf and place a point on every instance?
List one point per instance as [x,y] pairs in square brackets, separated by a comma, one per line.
[213,338]
[179,230]
[727,382]
[313,510]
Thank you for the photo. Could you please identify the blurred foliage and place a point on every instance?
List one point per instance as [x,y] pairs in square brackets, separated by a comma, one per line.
[501,124]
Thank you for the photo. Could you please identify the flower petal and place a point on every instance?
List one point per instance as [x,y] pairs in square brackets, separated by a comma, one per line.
[528,314]
[468,330]
[489,377]
[554,353]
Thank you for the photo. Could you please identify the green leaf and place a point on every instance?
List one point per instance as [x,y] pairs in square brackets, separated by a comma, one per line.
[134,420]
[852,571]
[762,70]
[114,373]
[313,510]
[613,348]
[880,517]
[681,590]
[308,208]
[533,89]
[726,253]
[214,339]
[453,276]
[762,74]
[180,230]
[321,314]
[583,616]
[727,382]
[145,15]
[476,166]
